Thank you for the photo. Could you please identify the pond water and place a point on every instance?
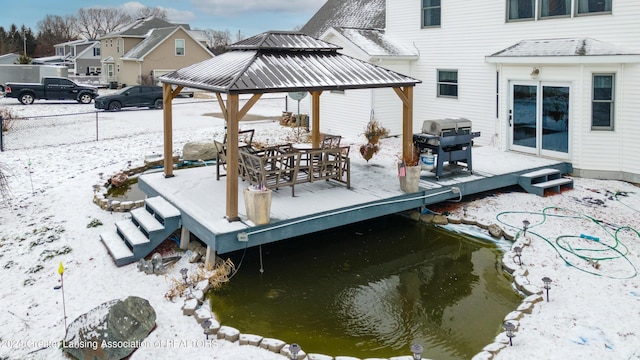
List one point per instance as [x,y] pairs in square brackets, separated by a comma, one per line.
[371,290]
[128,192]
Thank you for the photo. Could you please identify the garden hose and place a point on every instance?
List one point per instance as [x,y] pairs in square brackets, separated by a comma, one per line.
[592,250]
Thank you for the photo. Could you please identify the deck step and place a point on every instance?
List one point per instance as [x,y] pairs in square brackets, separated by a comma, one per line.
[131,233]
[147,228]
[536,182]
[552,183]
[146,220]
[158,205]
[117,248]
[541,173]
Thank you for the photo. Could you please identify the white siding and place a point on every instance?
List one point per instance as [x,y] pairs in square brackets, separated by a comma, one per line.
[472,30]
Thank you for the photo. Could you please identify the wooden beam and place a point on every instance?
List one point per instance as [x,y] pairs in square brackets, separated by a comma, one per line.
[223,108]
[245,109]
[315,116]
[232,157]
[176,91]
[168,129]
[406,95]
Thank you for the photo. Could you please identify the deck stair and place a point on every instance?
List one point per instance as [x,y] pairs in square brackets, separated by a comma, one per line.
[536,182]
[138,236]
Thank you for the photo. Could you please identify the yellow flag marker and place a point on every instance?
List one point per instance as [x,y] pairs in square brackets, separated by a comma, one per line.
[60,269]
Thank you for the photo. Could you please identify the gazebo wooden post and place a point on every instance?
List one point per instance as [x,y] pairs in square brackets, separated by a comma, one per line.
[167,100]
[315,117]
[232,157]
[406,95]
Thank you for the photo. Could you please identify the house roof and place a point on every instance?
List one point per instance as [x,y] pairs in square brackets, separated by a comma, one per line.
[363,14]
[141,27]
[552,50]
[373,42]
[284,62]
[153,40]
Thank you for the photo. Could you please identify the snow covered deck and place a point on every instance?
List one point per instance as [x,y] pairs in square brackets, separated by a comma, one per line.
[321,205]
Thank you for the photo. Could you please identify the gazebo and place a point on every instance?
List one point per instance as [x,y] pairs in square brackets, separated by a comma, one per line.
[278,62]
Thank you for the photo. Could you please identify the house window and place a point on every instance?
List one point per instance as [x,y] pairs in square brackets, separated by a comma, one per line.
[448,83]
[118,46]
[430,13]
[520,9]
[593,6]
[110,70]
[602,102]
[179,47]
[117,67]
[550,8]
[96,51]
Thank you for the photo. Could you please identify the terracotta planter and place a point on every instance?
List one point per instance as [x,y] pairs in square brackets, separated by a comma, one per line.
[410,183]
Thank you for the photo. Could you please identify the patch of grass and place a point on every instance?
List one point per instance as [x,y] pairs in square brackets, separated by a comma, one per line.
[29,282]
[35,269]
[50,254]
[94,223]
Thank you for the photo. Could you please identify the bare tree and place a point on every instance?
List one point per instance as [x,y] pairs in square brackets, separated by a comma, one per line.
[53,29]
[218,40]
[147,11]
[92,22]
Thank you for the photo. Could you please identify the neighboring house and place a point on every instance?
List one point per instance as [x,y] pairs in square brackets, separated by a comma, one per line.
[552,78]
[9,59]
[82,57]
[147,48]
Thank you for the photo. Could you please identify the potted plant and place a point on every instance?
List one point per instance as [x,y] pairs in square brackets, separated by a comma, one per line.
[373,132]
[409,171]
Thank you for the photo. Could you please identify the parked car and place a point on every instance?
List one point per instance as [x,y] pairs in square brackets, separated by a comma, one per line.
[131,96]
[51,88]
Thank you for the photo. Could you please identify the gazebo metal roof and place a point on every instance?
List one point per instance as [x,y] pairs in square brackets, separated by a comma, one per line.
[284,62]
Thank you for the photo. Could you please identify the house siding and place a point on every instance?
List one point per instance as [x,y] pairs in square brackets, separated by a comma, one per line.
[471,31]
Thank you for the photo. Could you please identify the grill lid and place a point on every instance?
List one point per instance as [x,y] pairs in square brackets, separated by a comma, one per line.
[436,127]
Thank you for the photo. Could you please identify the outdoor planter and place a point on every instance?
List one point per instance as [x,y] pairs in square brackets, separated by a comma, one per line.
[409,183]
[258,205]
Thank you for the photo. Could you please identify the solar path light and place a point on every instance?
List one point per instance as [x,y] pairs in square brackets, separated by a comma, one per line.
[416,350]
[294,349]
[547,285]
[518,251]
[509,328]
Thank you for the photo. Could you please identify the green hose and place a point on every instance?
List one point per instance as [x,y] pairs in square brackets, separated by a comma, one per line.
[593,252]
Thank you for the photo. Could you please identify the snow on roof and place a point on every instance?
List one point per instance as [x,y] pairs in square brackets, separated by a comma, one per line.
[562,47]
[363,14]
[375,43]
[155,37]
[141,27]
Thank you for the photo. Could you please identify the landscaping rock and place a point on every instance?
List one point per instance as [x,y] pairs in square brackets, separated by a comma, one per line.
[495,231]
[199,150]
[111,330]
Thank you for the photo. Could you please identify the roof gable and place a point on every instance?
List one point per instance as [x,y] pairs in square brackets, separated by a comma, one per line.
[373,42]
[363,14]
[140,27]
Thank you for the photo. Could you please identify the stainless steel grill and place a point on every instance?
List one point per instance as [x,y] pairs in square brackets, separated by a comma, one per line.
[450,140]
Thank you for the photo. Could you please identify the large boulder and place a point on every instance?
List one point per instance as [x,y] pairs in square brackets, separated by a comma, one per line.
[199,150]
[112,330]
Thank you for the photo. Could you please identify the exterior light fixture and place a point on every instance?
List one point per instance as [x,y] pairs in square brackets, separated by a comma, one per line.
[294,349]
[205,326]
[518,251]
[416,350]
[525,226]
[547,285]
[509,328]
[534,73]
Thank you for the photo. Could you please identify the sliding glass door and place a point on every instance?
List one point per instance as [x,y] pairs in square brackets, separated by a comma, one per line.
[539,118]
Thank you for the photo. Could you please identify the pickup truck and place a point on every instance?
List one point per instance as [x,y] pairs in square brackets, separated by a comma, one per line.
[51,88]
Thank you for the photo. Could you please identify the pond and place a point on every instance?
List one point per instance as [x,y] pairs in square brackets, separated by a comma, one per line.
[371,290]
